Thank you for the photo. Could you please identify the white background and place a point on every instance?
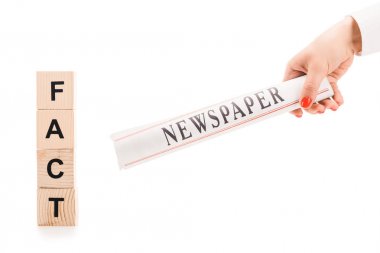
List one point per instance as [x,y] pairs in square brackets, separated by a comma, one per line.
[283,185]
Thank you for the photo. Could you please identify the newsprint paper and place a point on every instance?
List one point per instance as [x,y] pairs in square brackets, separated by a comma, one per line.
[145,143]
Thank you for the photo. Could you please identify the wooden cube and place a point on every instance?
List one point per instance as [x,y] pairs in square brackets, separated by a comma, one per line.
[55,90]
[55,129]
[55,168]
[56,207]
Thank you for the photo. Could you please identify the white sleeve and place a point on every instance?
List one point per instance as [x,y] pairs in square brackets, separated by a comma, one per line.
[369,24]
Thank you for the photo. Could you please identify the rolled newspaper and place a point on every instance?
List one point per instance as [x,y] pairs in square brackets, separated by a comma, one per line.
[145,143]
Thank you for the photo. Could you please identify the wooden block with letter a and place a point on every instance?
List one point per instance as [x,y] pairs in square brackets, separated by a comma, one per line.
[56,207]
[55,129]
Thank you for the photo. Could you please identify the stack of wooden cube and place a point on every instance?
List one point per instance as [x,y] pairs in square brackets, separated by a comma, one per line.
[55,149]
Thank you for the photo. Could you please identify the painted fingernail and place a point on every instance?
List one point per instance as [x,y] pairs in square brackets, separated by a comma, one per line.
[305,102]
[299,115]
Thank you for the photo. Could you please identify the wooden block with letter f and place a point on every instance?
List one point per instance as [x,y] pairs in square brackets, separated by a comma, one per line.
[55,149]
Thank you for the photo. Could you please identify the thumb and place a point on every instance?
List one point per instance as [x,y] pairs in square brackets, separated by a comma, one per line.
[310,88]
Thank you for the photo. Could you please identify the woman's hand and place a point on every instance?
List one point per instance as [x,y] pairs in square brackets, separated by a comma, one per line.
[330,55]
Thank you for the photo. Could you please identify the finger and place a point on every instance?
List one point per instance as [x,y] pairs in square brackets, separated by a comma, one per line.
[291,73]
[329,104]
[314,77]
[338,98]
[316,108]
[298,113]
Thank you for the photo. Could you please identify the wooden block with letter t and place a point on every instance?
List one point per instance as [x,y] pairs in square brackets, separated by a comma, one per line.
[56,207]
[55,129]
[55,90]
[55,168]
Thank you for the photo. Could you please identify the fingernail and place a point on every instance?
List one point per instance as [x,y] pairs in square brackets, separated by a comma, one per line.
[305,102]
[299,116]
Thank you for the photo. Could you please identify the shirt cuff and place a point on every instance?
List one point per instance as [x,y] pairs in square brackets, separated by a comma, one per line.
[368,21]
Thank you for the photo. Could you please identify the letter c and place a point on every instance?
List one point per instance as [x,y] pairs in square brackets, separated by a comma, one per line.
[56,176]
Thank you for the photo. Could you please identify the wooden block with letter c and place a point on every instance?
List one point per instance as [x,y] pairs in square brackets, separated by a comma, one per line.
[55,168]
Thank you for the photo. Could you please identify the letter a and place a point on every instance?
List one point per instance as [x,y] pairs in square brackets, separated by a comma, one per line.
[54,123]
